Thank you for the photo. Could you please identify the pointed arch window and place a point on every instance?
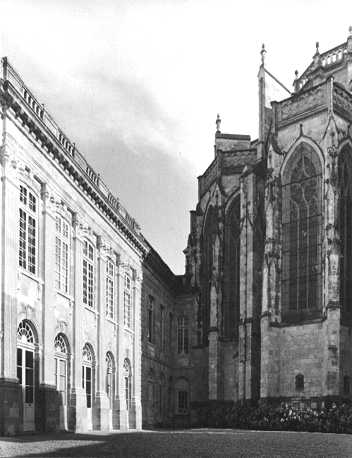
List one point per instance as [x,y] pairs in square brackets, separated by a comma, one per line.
[301,232]
[345,229]
[208,240]
[231,282]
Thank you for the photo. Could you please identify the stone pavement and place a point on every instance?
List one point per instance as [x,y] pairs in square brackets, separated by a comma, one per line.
[189,443]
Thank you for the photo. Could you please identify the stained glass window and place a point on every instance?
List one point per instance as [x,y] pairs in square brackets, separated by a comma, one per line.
[345,228]
[301,231]
[209,234]
[231,282]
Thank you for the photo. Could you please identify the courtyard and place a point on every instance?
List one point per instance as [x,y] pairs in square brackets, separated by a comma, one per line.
[186,443]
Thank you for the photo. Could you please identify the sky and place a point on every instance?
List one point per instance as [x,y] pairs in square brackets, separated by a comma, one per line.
[137,85]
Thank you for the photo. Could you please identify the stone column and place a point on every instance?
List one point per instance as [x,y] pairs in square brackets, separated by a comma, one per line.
[10,393]
[78,407]
[49,396]
[101,420]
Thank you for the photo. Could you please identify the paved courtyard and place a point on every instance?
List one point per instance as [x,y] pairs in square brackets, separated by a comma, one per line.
[190,443]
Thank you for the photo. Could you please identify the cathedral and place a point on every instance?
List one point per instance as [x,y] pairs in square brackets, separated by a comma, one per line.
[97,333]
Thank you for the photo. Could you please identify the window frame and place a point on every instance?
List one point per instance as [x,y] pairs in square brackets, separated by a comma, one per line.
[88,264]
[28,243]
[127,301]
[150,319]
[183,335]
[62,272]
[110,289]
[302,235]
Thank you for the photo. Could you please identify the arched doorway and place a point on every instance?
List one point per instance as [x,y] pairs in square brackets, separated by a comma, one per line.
[61,375]
[26,371]
[88,380]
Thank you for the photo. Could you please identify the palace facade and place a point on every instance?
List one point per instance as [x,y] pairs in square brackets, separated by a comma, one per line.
[98,333]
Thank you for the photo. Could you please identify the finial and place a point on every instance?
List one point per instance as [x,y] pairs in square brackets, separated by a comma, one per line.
[350,30]
[263,52]
[218,123]
[296,82]
[317,47]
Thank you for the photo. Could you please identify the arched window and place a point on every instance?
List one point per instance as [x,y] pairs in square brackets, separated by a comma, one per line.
[61,360]
[209,234]
[110,377]
[299,382]
[25,334]
[87,373]
[345,229]
[128,382]
[301,232]
[231,282]
[26,369]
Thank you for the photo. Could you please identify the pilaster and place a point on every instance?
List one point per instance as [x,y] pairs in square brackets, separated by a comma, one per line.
[47,250]
[101,419]
[137,352]
[78,411]
[10,401]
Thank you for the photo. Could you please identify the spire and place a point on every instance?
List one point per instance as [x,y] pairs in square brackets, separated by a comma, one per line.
[263,52]
[218,124]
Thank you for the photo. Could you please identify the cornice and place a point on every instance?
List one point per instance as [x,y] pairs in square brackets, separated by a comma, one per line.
[18,102]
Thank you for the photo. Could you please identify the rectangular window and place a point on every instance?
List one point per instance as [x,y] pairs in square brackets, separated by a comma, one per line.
[150,318]
[182,402]
[182,335]
[127,302]
[62,252]
[88,274]
[170,332]
[162,328]
[61,379]
[27,256]
[109,289]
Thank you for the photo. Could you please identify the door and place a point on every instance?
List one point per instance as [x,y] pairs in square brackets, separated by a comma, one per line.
[87,385]
[25,374]
[61,387]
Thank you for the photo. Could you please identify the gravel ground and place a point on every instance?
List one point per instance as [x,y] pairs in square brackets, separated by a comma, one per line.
[190,443]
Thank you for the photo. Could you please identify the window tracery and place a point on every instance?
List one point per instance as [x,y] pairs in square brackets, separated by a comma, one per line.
[60,344]
[25,333]
[301,232]
[209,234]
[345,229]
[231,282]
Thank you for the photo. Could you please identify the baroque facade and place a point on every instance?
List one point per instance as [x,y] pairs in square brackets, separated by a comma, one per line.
[96,330]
